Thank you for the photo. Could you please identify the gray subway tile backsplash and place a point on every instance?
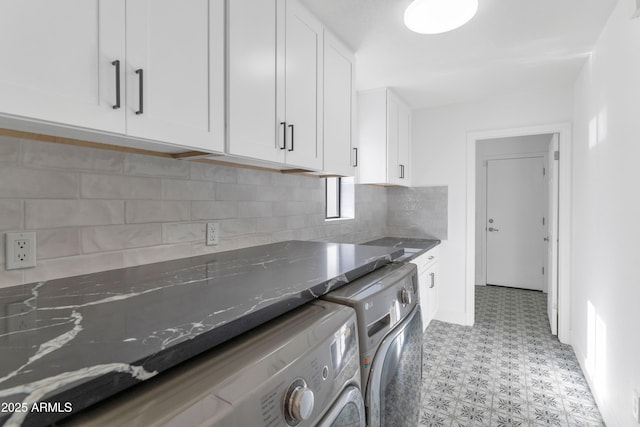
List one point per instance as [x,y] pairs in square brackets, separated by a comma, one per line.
[418,212]
[26,183]
[9,150]
[182,189]
[47,155]
[144,211]
[44,213]
[11,214]
[96,209]
[138,164]
[117,237]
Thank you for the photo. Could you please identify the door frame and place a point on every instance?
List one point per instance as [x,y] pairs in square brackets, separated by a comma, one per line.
[564,217]
[482,198]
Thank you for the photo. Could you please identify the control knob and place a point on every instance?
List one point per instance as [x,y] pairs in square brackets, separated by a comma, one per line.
[405,296]
[298,404]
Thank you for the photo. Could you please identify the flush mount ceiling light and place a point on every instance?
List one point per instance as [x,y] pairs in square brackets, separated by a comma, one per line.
[438,16]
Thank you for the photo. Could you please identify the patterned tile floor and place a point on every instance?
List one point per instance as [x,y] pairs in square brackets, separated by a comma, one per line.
[506,370]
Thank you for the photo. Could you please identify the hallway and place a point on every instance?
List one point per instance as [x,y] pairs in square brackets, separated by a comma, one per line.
[506,370]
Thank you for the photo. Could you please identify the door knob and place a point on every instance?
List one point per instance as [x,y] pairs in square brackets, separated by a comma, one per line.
[491,229]
[546,239]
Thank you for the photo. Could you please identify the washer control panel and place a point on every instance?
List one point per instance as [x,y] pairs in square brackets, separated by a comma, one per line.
[305,390]
[287,372]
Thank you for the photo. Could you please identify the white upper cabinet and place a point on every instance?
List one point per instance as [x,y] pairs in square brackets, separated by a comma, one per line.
[275,82]
[78,62]
[175,72]
[384,138]
[340,150]
[303,87]
[253,128]
[404,144]
[58,61]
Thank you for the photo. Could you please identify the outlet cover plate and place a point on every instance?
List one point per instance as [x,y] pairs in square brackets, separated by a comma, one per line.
[213,233]
[20,250]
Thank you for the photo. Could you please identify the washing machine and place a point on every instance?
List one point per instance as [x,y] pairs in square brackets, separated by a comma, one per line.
[390,333]
[301,369]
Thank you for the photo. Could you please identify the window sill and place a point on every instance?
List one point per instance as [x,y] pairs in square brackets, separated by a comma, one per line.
[341,219]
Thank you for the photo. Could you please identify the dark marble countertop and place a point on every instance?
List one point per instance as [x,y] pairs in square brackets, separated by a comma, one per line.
[73,342]
[413,247]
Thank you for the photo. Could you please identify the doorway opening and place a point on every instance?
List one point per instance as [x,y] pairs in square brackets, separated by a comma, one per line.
[516,214]
[518,197]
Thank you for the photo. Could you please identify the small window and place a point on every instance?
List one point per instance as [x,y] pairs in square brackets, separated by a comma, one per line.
[339,198]
[333,197]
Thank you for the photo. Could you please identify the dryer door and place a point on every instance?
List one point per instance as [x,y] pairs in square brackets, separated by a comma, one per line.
[393,391]
[348,411]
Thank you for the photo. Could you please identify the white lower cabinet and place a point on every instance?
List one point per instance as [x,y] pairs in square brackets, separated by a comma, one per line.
[428,282]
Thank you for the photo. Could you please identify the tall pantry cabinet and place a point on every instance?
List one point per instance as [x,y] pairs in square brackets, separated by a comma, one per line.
[149,69]
[275,82]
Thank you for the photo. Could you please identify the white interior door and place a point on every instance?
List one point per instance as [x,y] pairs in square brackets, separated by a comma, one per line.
[516,204]
[552,237]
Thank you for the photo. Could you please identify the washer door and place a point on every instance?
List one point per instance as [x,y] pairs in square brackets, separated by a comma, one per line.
[348,411]
[395,380]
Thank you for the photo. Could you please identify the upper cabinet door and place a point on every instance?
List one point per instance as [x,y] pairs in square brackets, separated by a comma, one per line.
[340,154]
[384,123]
[303,87]
[254,128]
[275,82]
[404,144]
[175,72]
[394,169]
[58,61]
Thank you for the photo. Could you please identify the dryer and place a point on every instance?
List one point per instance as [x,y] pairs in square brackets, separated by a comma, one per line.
[301,369]
[390,334]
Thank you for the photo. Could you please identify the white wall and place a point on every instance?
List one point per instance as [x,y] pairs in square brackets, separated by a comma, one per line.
[439,143]
[606,217]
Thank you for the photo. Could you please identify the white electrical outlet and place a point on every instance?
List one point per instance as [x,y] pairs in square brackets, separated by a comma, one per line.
[20,250]
[636,406]
[213,233]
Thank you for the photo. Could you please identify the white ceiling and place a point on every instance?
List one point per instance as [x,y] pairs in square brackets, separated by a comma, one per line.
[509,46]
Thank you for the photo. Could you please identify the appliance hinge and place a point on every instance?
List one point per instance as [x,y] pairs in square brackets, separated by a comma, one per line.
[544,171]
[556,155]
[543,271]
[543,221]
